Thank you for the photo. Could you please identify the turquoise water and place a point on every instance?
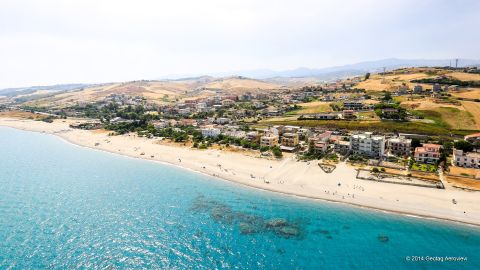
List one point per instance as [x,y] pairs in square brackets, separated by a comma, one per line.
[68,207]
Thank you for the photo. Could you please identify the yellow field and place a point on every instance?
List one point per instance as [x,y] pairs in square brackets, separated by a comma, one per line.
[474,109]
[391,82]
[158,91]
[21,115]
[237,85]
[463,182]
[426,104]
[314,107]
[472,93]
[465,76]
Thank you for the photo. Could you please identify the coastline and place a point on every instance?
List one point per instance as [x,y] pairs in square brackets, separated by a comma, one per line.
[300,179]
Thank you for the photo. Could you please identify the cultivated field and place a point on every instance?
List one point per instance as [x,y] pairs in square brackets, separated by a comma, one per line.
[471,93]
[312,107]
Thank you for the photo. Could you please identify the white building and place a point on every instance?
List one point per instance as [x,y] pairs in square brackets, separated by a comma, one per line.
[399,146]
[468,160]
[367,144]
[222,120]
[210,132]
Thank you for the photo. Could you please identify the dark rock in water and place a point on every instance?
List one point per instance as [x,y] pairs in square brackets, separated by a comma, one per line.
[329,237]
[276,222]
[222,214]
[281,251]
[288,231]
[383,238]
[246,228]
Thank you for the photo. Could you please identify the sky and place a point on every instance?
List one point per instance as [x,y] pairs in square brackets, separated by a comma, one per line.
[92,41]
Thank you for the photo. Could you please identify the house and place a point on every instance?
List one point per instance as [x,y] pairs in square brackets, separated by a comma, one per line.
[399,146]
[326,116]
[210,132]
[417,89]
[348,114]
[232,132]
[437,88]
[353,105]
[222,120]
[323,137]
[184,112]
[290,139]
[320,146]
[468,160]
[367,144]
[472,138]
[160,124]
[269,140]
[187,122]
[428,153]
[227,102]
[342,147]
[388,112]
[252,136]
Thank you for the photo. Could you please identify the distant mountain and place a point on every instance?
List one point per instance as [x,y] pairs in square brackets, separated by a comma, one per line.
[11,92]
[357,69]
[336,72]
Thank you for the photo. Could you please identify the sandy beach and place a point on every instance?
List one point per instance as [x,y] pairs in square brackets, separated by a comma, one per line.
[286,176]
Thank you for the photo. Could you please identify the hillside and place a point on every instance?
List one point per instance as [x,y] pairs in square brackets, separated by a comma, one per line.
[157,91]
[392,80]
[456,111]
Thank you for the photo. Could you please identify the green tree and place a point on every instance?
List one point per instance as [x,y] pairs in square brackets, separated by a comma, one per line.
[463,145]
[277,152]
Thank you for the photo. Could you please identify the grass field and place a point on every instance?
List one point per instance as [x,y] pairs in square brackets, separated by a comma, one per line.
[312,107]
[474,109]
[451,118]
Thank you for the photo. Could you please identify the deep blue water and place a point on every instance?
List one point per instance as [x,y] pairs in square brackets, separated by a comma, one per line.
[68,207]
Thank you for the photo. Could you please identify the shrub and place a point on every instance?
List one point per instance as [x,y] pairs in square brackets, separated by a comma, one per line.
[277,152]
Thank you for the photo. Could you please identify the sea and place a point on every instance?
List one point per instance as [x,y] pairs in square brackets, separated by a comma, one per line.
[64,206]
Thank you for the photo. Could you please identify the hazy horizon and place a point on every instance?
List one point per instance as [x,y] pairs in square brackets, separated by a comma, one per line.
[54,42]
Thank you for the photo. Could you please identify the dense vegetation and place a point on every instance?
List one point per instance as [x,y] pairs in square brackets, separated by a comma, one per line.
[449,81]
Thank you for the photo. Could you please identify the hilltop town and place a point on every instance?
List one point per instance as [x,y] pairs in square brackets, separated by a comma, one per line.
[422,124]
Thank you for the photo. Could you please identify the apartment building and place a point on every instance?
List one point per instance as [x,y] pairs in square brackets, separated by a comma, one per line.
[210,132]
[468,160]
[290,139]
[399,146]
[269,140]
[428,153]
[367,144]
